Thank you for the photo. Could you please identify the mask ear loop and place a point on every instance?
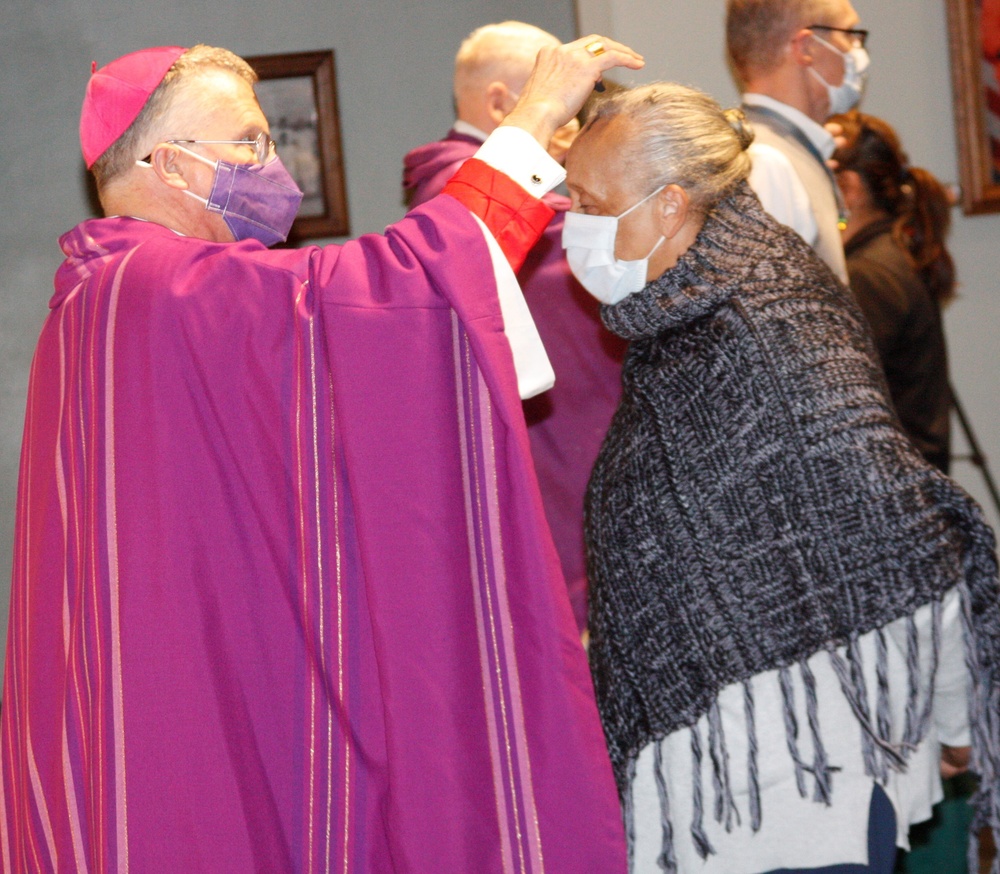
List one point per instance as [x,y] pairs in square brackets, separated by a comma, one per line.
[828,45]
[145,163]
[849,57]
[659,242]
[641,202]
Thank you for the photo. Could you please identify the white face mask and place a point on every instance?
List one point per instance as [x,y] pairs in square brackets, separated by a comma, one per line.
[589,241]
[848,93]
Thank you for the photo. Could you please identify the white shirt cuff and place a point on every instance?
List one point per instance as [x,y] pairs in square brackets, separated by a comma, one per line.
[517,154]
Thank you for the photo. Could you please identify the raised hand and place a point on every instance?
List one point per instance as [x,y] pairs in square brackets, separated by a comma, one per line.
[563,78]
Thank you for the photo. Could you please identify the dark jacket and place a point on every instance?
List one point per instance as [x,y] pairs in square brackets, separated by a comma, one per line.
[909,336]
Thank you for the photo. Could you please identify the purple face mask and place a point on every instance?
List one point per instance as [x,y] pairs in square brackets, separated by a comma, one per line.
[258,201]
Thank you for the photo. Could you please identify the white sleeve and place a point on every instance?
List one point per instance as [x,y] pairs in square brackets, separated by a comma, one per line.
[517,154]
[780,190]
[951,683]
[531,363]
[951,691]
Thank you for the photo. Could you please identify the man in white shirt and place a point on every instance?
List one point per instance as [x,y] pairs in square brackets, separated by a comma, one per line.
[798,62]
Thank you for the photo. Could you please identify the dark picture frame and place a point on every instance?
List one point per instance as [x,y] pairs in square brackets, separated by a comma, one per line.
[973,28]
[298,94]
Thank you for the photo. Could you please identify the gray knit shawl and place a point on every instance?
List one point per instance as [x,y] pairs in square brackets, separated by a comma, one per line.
[755,500]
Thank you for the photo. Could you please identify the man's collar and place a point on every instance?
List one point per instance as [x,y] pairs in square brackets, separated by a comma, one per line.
[818,135]
[463,127]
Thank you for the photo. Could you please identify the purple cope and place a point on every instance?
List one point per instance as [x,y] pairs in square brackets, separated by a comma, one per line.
[283,594]
[567,424]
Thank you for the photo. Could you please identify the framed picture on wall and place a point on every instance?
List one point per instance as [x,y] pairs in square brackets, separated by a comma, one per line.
[974,43]
[298,93]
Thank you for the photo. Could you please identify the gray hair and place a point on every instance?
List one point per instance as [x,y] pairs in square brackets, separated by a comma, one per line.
[757,31]
[682,136]
[146,130]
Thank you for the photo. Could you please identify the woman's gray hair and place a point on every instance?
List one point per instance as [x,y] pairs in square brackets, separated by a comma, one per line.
[135,142]
[682,136]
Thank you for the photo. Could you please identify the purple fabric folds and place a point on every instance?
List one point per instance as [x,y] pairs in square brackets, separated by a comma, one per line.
[283,597]
[566,424]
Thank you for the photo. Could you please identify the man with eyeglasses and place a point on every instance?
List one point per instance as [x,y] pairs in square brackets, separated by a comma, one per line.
[284,598]
[798,62]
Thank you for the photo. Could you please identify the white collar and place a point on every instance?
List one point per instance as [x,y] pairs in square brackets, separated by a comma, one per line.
[818,135]
[463,127]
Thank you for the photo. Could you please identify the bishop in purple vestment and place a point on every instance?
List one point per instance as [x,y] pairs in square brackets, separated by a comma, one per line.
[283,596]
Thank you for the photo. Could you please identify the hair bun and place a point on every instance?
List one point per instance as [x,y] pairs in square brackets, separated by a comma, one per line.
[738,122]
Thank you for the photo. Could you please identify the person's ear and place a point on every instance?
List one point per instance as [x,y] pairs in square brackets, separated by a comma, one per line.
[673,208]
[852,186]
[164,159]
[498,101]
[802,47]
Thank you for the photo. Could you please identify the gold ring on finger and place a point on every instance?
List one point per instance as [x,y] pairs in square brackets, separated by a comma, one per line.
[594,48]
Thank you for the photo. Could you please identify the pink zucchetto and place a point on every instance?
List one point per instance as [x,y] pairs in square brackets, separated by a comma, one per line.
[116,95]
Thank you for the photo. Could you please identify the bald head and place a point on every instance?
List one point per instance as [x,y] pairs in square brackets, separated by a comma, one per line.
[491,67]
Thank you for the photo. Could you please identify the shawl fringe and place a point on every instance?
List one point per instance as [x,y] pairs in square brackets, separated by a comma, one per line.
[880,754]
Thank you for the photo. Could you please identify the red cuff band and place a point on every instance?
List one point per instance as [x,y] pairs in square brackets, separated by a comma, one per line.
[512,215]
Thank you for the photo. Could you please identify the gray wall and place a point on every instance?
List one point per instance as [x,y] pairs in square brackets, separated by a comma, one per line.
[910,86]
[394,64]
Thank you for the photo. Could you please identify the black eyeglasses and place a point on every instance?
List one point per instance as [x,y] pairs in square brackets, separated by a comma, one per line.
[858,36]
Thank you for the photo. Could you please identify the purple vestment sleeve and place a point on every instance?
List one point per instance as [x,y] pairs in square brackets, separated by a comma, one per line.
[567,423]
[282,598]
[512,618]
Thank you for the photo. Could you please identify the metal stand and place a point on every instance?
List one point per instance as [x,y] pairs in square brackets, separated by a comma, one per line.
[975,455]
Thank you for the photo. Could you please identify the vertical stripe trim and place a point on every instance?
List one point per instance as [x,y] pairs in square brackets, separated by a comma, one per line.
[509,668]
[69,780]
[463,385]
[121,786]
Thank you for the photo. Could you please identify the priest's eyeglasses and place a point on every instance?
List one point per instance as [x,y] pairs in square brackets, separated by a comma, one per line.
[857,36]
[262,143]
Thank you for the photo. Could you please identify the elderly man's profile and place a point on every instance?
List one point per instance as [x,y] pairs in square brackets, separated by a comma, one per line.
[284,598]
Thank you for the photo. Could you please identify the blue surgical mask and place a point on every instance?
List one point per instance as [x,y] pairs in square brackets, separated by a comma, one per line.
[589,241]
[848,93]
[256,201]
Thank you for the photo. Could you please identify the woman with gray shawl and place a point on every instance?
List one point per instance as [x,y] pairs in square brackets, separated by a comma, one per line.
[793,615]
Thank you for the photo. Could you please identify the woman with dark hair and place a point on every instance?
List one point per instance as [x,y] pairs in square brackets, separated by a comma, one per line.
[900,272]
[902,276]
